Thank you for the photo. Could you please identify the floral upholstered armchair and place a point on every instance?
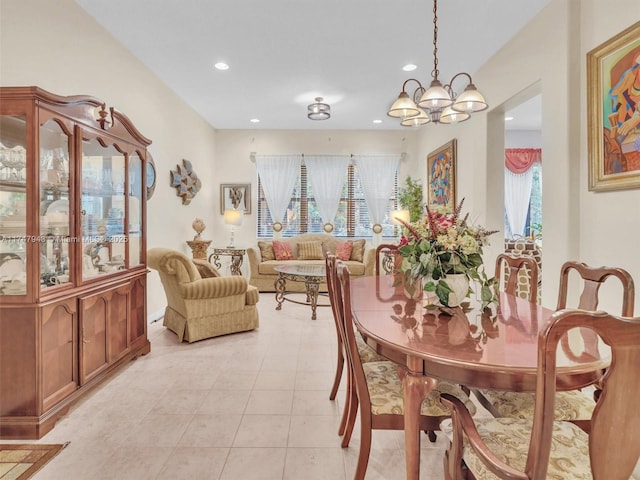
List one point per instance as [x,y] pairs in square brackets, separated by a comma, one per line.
[200,302]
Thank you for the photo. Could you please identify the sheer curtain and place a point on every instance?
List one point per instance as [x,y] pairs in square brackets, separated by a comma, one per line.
[278,175]
[518,178]
[326,175]
[376,174]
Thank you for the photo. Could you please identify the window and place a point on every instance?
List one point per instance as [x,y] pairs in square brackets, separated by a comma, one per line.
[351,220]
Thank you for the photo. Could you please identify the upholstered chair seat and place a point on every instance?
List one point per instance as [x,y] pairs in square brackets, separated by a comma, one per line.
[385,392]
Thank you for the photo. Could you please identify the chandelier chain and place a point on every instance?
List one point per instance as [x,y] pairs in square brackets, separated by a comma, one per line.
[435,71]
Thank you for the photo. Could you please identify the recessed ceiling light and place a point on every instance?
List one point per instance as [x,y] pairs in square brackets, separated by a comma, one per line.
[255,120]
[221,66]
[508,118]
[377,121]
[409,67]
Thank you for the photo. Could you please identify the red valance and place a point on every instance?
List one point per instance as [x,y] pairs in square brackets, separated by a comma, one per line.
[519,160]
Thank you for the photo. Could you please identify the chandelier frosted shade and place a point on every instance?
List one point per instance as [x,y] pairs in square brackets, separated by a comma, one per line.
[319,110]
[403,107]
[449,115]
[471,100]
[435,97]
[416,120]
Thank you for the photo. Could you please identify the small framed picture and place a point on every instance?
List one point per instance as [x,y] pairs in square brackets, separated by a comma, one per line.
[441,178]
[235,196]
[613,77]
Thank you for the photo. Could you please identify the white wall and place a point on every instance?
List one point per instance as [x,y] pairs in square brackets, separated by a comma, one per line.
[234,147]
[57,46]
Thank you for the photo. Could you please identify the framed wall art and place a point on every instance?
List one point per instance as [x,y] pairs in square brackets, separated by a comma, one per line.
[613,105]
[441,178]
[235,196]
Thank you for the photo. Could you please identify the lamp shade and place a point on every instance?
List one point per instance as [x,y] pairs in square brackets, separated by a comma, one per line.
[399,215]
[403,107]
[435,97]
[416,120]
[470,100]
[449,115]
[233,217]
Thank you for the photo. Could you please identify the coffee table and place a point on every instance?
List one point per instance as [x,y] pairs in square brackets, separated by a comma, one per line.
[311,275]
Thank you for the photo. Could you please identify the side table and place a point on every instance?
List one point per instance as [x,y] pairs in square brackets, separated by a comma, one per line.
[236,254]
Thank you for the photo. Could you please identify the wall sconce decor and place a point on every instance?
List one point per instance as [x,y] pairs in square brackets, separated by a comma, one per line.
[186,182]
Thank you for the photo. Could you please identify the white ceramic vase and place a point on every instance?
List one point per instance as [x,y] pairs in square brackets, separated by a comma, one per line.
[458,283]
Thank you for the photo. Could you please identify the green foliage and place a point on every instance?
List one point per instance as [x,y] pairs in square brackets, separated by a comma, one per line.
[410,198]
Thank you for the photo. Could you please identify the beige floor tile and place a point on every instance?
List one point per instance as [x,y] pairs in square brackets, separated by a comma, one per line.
[263,431]
[194,464]
[178,400]
[314,464]
[275,379]
[135,463]
[254,464]
[314,402]
[314,431]
[236,380]
[270,402]
[211,431]
[224,402]
[160,430]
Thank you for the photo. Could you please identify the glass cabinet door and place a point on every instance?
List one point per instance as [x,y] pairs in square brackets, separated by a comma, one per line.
[13,205]
[55,223]
[136,188]
[102,209]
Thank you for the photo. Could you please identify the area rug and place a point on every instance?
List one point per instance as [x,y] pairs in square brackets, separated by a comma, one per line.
[22,461]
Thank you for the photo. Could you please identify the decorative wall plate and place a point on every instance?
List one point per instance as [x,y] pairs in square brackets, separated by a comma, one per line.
[150,182]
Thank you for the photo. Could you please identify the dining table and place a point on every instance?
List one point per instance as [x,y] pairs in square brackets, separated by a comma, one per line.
[495,347]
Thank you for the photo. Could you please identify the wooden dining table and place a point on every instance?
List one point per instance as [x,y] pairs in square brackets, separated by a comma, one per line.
[493,348]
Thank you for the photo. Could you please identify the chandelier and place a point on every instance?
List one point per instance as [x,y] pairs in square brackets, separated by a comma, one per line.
[438,103]
[319,110]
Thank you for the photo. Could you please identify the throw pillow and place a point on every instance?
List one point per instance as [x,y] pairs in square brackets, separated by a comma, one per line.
[282,250]
[266,251]
[343,250]
[357,253]
[310,250]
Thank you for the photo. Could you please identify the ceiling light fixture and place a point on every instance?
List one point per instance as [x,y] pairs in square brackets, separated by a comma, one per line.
[438,103]
[409,67]
[319,110]
[221,66]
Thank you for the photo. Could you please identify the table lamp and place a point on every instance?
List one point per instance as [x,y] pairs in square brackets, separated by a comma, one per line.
[233,218]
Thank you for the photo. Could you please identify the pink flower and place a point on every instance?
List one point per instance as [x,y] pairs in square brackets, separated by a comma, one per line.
[403,241]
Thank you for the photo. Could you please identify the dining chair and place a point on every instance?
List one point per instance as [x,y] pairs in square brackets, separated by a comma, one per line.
[544,447]
[385,258]
[378,388]
[573,405]
[366,353]
[517,268]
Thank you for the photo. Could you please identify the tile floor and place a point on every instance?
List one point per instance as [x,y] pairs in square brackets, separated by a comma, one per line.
[240,407]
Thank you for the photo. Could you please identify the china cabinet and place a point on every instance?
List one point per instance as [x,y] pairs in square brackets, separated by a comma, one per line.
[73,195]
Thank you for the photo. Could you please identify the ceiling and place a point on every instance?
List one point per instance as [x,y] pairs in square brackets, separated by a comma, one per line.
[284,53]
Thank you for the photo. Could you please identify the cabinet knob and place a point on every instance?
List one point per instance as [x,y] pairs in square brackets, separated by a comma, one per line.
[83,212]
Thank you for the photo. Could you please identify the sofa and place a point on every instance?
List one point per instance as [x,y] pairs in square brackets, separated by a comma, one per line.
[201,303]
[306,249]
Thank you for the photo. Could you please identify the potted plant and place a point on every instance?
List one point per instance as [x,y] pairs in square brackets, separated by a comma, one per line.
[410,198]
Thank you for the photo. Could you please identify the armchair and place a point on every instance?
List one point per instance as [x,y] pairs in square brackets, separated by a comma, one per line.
[201,303]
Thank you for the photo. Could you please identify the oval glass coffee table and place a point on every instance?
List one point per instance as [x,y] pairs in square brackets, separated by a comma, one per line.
[311,275]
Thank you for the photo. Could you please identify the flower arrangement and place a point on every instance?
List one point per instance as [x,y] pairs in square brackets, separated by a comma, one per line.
[440,245]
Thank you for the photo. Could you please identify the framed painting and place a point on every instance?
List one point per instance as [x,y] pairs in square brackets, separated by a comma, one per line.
[235,196]
[613,106]
[441,178]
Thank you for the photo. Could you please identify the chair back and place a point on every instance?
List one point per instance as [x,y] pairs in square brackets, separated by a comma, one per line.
[614,441]
[332,286]
[516,267]
[343,299]
[593,278]
[386,258]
